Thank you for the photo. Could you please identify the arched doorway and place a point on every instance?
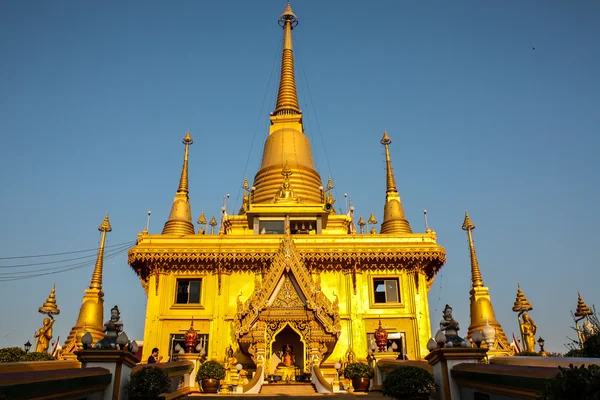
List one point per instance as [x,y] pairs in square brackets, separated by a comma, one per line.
[288,336]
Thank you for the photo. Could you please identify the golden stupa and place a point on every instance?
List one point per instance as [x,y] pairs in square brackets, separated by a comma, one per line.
[482,310]
[286,269]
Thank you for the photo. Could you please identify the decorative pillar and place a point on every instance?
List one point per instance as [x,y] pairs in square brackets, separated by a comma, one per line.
[443,360]
[118,362]
[189,380]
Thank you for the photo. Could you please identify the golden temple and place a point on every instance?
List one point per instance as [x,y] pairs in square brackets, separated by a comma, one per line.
[286,268]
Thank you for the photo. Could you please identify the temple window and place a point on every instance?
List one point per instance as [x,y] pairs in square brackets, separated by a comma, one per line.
[385,290]
[271,227]
[188,291]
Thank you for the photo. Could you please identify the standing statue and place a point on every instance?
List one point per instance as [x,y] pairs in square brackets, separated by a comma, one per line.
[112,328]
[44,334]
[450,327]
[528,330]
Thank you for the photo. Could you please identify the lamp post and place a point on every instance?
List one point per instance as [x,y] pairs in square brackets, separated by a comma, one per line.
[27,346]
[541,344]
[240,387]
[336,382]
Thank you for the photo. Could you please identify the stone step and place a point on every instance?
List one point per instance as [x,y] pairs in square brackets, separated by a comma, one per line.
[288,389]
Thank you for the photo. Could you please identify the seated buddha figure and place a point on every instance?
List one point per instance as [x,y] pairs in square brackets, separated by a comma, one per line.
[287,367]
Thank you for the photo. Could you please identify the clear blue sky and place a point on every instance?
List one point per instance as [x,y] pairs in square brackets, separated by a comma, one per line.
[95,98]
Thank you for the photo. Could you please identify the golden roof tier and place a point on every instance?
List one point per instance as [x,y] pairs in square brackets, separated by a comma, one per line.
[287,145]
[582,309]
[482,310]
[49,307]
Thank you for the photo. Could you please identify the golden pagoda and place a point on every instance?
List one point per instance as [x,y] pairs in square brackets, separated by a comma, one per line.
[482,310]
[286,269]
[91,313]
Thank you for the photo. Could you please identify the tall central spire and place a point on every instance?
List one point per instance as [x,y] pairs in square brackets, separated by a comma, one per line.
[287,144]
[287,98]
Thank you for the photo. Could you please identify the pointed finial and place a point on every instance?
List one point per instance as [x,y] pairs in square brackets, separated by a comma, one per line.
[180,219]
[97,275]
[372,219]
[521,302]
[468,225]
[202,219]
[245,185]
[105,225]
[212,223]
[287,98]
[582,309]
[49,307]
[329,184]
[476,278]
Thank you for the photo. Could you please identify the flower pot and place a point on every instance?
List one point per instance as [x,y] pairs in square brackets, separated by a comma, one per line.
[210,385]
[361,384]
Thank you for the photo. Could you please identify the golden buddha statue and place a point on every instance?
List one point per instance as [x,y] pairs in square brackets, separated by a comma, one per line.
[528,329]
[287,367]
[43,335]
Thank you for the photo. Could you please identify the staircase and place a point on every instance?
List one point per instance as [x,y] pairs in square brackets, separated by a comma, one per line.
[288,389]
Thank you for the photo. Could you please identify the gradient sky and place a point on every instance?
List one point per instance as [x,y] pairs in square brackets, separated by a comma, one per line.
[96,97]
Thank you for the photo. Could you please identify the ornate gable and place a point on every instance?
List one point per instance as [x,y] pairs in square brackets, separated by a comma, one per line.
[287,285]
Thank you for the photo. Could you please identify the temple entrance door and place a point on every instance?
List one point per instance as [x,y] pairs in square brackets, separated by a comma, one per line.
[288,336]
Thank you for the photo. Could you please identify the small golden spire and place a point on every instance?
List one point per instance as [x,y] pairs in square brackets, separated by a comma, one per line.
[521,302]
[329,184]
[582,309]
[212,223]
[245,185]
[180,219]
[49,307]
[287,98]
[394,219]
[361,223]
[372,220]
[476,278]
[482,310]
[202,219]
[91,313]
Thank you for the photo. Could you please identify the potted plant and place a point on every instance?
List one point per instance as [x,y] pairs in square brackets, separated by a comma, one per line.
[360,374]
[407,382]
[209,374]
[148,383]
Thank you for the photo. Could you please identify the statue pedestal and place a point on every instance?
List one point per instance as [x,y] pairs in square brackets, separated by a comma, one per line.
[377,381]
[190,380]
[443,360]
[118,362]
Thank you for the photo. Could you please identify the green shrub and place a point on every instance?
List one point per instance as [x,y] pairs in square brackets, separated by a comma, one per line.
[577,383]
[11,354]
[407,381]
[210,370]
[591,347]
[35,356]
[148,383]
[358,370]
[574,353]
